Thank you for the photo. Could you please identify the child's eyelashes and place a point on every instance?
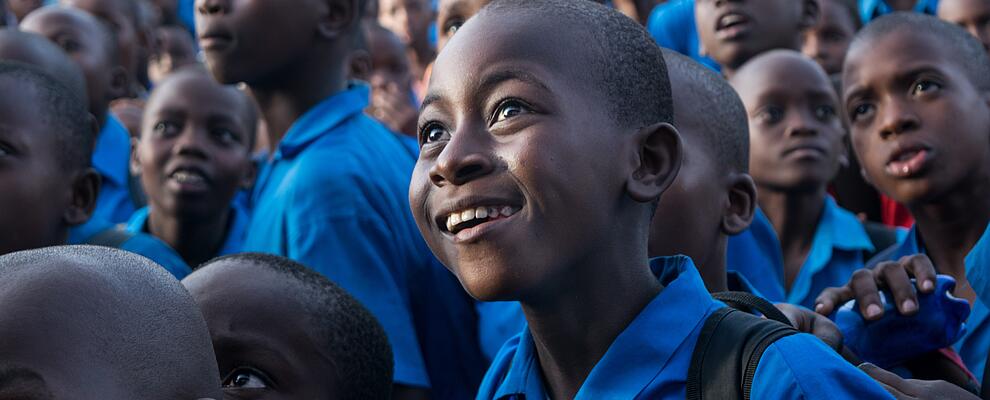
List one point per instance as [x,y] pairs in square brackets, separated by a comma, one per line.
[824,112]
[925,86]
[226,136]
[859,111]
[451,27]
[770,115]
[509,108]
[166,129]
[433,132]
[246,378]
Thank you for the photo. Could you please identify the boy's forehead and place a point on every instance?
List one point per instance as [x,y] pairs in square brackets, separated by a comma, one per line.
[899,49]
[768,71]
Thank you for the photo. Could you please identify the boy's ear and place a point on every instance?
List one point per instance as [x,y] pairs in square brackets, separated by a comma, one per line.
[659,160]
[810,12]
[120,83]
[135,159]
[740,211]
[340,15]
[85,188]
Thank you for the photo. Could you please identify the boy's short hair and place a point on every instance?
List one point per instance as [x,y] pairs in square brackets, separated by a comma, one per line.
[726,125]
[350,333]
[630,70]
[63,111]
[969,51]
[36,50]
[852,8]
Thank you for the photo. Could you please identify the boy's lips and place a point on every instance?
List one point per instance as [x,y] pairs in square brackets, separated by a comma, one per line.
[908,161]
[467,220]
[215,40]
[189,179]
[732,25]
[805,150]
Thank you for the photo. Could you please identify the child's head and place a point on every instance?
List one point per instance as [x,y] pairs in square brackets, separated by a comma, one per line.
[549,119]
[90,44]
[713,197]
[281,328]
[176,49]
[409,19]
[237,41]
[35,50]
[973,15]
[451,14]
[828,40]
[389,64]
[796,136]
[124,19]
[99,323]
[21,8]
[46,141]
[194,151]
[732,32]
[917,96]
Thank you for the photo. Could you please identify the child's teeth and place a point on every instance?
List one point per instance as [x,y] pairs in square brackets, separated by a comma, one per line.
[493,212]
[481,212]
[454,219]
[467,215]
[507,211]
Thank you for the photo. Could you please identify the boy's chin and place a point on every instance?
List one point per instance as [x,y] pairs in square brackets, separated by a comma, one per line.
[484,287]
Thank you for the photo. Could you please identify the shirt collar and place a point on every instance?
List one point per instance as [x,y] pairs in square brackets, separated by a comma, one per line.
[111,156]
[638,354]
[871,9]
[138,223]
[323,117]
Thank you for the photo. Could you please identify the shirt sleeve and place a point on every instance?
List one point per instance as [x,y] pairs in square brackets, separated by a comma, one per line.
[802,367]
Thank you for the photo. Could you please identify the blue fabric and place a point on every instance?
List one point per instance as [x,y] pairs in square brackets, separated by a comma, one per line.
[757,248]
[334,196]
[235,232]
[111,159]
[142,244]
[187,14]
[498,321]
[650,358]
[975,343]
[836,252]
[870,10]
[673,26]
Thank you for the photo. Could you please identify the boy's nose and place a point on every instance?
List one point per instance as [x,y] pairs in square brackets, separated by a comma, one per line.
[189,143]
[897,118]
[461,161]
[799,124]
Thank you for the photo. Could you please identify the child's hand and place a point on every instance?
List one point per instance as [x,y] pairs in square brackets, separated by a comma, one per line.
[393,107]
[865,285]
[916,389]
[807,321]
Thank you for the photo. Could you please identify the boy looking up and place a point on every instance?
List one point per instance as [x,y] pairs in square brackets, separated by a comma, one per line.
[796,148]
[332,196]
[917,96]
[114,326]
[733,32]
[282,328]
[542,159]
[828,40]
[193,156]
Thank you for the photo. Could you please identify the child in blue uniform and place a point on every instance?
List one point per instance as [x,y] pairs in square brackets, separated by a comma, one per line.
[541,163]
[193,156]
[916,95]
[333,195]
[796,147]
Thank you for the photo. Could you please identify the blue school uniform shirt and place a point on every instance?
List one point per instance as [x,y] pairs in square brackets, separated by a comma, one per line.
[673,26]
[975,344]
[141,244]
[870,10]
[837,250]
[650,358]
[334,196]
[111,159]
[232,242]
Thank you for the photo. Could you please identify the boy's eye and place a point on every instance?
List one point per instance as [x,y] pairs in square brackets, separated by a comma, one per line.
[432,133]
[824,113]
[509,109]
[923,87]
[860,111]
[245,378]
[166,129]
[452,27]
[771,115]
[226,136]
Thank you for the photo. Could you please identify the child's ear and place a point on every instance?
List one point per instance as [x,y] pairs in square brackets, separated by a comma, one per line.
[659,159]
[135,159]
[810,12]
[739,213]
[85,187]
[120,83]
[338,18]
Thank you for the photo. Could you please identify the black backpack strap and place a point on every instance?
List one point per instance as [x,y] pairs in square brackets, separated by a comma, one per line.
[881,236]
[729,349]
[753,304]
[110,237]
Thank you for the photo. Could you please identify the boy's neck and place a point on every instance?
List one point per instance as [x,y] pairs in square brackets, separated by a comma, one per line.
[794,216]
[295,89]
[197,240]
[574,322]
[951,226]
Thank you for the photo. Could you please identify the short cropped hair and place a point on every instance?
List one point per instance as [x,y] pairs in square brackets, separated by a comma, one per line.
[711,103]
[627,64]
[62,110]
[355,340]
[851,7]
[966,48]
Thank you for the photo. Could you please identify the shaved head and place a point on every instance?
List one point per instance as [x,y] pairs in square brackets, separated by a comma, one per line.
[95,322]
[33,49]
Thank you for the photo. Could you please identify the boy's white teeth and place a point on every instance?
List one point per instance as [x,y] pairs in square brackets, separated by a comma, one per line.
[471,214]
[187,177]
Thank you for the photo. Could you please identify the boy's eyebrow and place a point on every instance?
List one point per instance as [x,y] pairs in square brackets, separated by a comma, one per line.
[493,79]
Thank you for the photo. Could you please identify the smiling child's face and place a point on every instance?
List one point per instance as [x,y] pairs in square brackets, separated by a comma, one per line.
[513,130]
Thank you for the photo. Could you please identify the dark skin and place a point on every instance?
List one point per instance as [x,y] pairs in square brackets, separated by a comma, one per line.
[50,199]
[410,20]
[732,32]
[36,50]
[451,14]
[510,122]
[796,145]
[828,40]
[21,8]
[391,82]
[176,49]
[973,15]
[132,42]
[193,155]
[264,350]
[85,41]
[919,126]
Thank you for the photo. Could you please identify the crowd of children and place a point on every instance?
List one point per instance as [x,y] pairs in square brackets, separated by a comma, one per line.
[494,199]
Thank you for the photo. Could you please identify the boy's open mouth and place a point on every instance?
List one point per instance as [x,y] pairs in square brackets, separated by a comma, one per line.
[467,218]
[189,178]
[731,25]
[908,161]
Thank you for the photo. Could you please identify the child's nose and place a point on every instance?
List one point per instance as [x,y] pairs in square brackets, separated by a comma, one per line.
[461,161]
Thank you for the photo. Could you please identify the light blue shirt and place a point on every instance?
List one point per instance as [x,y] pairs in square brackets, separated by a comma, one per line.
[138,243]
[232,243]
[650,358]
[673,26]
[870,10]
[975,344]
[837,250]
[334,197]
